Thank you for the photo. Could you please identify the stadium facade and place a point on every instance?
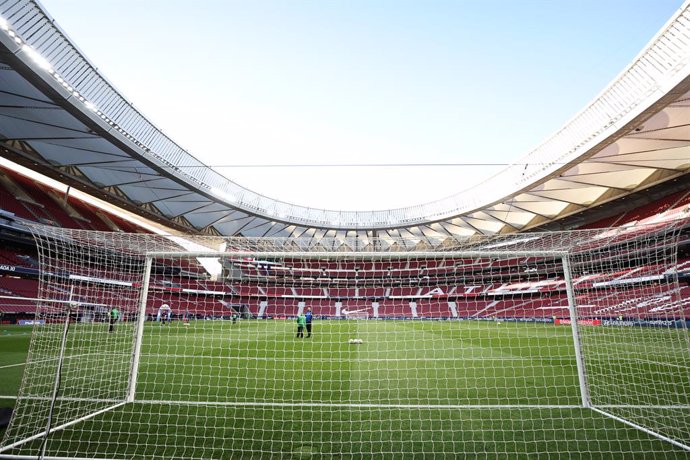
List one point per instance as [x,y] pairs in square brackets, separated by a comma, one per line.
[62,118]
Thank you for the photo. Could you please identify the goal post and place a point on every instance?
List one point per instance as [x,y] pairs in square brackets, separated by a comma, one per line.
[73,372]
[556,343]
[638,358]
[140,320]
[574,324]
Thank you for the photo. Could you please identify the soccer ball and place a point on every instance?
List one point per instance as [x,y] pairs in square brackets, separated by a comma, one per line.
[355,341]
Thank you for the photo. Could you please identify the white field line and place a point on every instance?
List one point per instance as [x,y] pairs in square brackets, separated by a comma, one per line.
[48,457]
[43,360]
[376,360]
[355,405]
[389,406]
[46,398]
[13,365]
[374,406]
[643,406]
[615,361]
[358,359]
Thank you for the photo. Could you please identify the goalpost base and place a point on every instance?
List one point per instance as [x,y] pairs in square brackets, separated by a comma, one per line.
[55,429]
[641,428]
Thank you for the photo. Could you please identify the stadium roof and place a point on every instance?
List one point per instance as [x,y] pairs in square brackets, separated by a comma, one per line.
[60,117]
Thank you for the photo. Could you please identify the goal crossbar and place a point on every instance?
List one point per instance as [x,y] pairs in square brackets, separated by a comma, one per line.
[354,254]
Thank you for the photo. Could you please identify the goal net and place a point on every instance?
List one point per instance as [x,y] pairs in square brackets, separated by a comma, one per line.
[556,344]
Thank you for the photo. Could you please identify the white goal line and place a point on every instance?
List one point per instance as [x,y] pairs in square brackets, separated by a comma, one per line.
[356,405]
[355,359]
[394,406]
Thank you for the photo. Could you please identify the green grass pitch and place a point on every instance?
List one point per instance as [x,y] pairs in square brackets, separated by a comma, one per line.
[412,389]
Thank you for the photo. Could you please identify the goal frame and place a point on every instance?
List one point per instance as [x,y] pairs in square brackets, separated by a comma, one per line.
[562,256]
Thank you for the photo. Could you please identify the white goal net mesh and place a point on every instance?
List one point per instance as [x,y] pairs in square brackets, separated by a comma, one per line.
[201,347]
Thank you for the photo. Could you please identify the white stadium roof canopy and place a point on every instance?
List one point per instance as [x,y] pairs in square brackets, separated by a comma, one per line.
[60,117]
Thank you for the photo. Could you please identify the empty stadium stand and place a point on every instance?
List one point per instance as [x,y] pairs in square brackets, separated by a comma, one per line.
[443,288]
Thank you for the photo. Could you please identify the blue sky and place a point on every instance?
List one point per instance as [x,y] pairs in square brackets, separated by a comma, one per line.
[352,82]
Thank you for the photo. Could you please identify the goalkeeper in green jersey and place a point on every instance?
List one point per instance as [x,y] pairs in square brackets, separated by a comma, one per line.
[301,324]
[114,316]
